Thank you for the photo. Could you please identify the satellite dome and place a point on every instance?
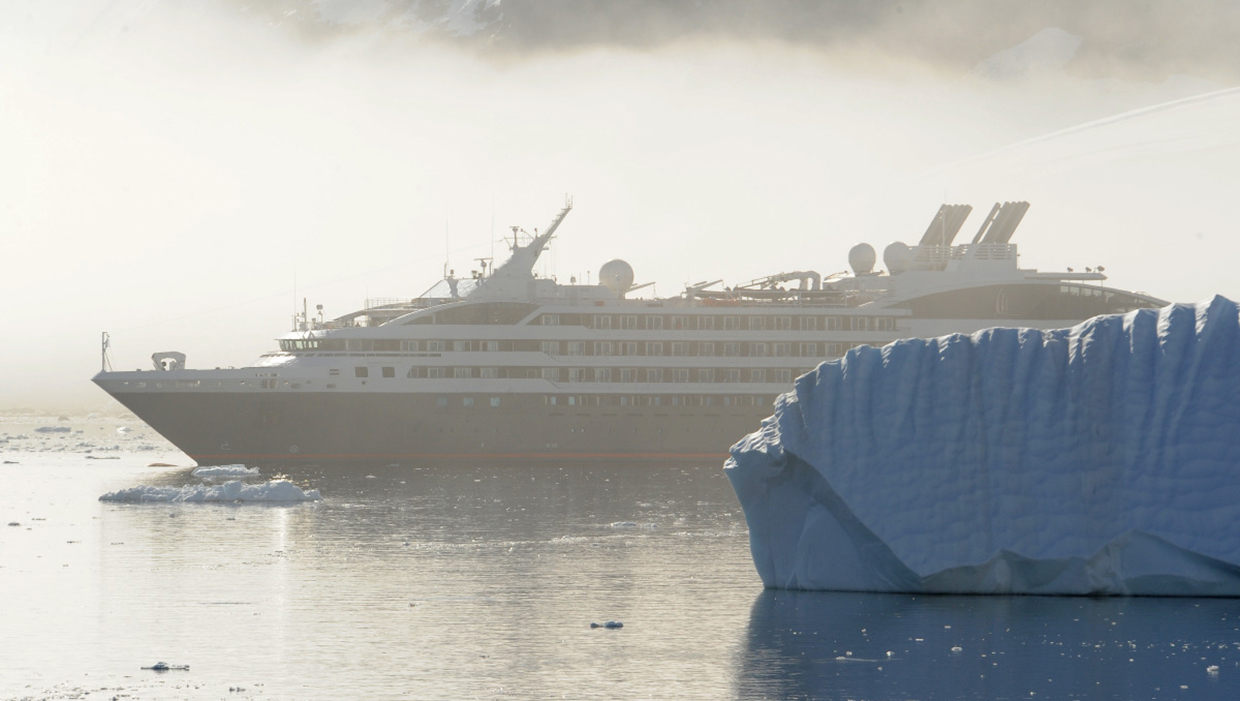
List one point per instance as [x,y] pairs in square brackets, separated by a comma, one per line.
[897,257]
[616,275]
[861,258]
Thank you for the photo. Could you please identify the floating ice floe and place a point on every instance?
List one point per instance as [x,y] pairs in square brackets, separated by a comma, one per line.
[165,667]
[621,525]
[1100,459]
[232,491]
[225,471]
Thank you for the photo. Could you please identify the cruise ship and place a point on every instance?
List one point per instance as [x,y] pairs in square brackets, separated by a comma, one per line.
[506,364]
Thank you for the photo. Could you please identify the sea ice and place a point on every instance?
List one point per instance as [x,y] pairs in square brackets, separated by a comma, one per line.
[1100,459]
[225,471]
[233,491]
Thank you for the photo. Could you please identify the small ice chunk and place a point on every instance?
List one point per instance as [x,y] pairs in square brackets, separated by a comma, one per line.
[232,491]
[225,471]
[164,667]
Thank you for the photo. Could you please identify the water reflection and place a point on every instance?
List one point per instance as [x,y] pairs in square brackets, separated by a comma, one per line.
[819,645]
[481,581]
[441,581]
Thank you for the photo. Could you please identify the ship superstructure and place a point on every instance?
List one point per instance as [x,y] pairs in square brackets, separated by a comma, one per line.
[506,364]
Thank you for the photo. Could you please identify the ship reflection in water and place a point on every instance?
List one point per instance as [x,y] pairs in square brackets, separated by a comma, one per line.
[428,581]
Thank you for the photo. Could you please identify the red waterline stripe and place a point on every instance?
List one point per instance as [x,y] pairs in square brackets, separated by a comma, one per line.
[465,456]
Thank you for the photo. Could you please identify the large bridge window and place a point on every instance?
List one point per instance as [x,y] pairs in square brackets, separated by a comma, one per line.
[1029,301]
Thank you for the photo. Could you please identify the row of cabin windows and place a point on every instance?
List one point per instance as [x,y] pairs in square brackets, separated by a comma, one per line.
[751,322]
[727,323]
[754,349]
[573,348]
[780,375]
[657,400]
[469,402]
[593,400]
[706,349]
[381,345]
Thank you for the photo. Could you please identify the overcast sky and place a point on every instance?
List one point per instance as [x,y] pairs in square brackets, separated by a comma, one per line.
[174,170]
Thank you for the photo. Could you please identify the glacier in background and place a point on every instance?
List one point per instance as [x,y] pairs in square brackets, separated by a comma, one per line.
[1100,459]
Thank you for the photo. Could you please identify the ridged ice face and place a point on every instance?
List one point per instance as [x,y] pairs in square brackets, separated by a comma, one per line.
[1099,458]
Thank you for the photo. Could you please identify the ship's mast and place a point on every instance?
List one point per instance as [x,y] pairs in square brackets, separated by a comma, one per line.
[511,280]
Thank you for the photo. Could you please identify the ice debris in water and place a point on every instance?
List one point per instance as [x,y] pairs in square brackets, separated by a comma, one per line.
[1099,459]
[225,471]
[232,491]
[632,524]
[164,667]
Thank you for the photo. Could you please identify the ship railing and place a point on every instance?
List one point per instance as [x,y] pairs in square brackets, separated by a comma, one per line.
[935,257]
[388,302]
[755,298]
[985,251]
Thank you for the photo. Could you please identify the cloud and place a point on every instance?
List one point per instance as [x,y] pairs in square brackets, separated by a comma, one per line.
[1147,40]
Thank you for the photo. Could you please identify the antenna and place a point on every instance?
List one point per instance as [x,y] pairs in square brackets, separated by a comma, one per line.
[107,364]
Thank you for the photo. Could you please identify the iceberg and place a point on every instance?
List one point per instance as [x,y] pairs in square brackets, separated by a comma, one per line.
[1099,459]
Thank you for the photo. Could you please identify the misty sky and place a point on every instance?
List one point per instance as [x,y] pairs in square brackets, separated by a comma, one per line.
[173,169]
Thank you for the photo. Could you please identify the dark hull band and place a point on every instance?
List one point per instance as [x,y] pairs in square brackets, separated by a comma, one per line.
[305,427]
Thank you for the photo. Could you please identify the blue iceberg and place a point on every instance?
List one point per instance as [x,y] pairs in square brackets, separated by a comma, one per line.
[1100,459]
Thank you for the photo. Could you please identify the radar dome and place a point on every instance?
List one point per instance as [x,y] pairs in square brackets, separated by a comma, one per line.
[897,257]
[616,275]
[861,257]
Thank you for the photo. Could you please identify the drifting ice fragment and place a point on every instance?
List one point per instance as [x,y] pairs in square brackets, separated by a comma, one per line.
[164,667]
[225,471]
[1100,459]
[234,491]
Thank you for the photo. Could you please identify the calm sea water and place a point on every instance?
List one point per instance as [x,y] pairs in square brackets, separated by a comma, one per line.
[481,581]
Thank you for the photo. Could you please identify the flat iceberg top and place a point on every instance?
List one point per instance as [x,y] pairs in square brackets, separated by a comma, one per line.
[971,463]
